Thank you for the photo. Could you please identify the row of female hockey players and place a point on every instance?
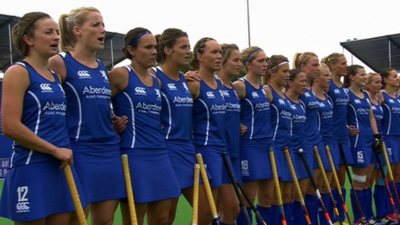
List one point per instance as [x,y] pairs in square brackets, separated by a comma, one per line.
[163,118]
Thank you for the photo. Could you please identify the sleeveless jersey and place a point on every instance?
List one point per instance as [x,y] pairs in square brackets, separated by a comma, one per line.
[209,111]
[88,95]
[142,105]
[298,125]
[391,118]
[177,105]
[232,120]
[325,118]
[358,116]
[377,110]
[44,110]
[255,113]
[340,100]
[281,115]
[311,104]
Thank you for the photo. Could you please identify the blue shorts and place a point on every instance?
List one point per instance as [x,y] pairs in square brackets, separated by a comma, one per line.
[100,170]
[335,153]
[235,166]
[152,176]
[36,191]
[212,157]
[347,151]
[393,148]
[282,165]
[255,161]
[183,159]
[299,167]
[363,157]
[323,156]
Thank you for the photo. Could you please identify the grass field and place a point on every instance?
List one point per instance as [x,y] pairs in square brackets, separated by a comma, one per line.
[184,214]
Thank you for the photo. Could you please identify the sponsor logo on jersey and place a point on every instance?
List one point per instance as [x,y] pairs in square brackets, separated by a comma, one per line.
[336,91]
[210,94]
[307,94]
[255,94]
[140,91]
[363,110]
[391,101]
[357,101]
[84,74]
[22,207]
[178,99]
[281,102]
[322,105]
[55,106]
[225,93]
[46,87]
[142,106]
[293,107]
[92,90]
[171,86]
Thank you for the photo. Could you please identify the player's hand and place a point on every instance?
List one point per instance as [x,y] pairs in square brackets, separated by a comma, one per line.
[119,123]
[377,144]
[353,130]
[192,76]
[64,155]
[243,129]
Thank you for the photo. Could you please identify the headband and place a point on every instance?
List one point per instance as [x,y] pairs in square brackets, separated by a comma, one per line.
[138,37]
[247,58]
[280,64]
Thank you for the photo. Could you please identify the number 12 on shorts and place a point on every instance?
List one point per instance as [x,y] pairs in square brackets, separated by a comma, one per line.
[22,192]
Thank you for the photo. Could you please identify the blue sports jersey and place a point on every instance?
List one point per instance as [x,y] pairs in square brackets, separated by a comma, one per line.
[377,110]
[88,95]
[298,125]
[142,105]
[44,110]
[358,116]
[281,124]
[255,113]
[209,111]
[232,120]
[311,104]
[177,105]
[325,119]
[340,99]
[391,118]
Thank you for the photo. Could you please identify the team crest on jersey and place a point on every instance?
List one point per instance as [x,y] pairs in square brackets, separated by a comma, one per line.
[158,92]
[307,94]
[185,86]
[357,101]
[210,94]
[391,101]
[45,87]
[104,75]
[84,74]
[222,93]
[336,91]
[62,89]
[281,102]
[255,94]
[171,86]
[140,91]
[322,105]
[293,107]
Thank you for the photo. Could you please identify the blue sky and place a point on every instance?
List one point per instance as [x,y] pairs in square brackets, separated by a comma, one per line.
[279,27]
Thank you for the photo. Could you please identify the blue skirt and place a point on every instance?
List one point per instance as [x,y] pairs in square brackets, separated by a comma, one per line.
[36,191]
[282,165]
[235,167]
[299,167]
[183,159]
[152,176]
[255,160]
[99,166]
[212,157]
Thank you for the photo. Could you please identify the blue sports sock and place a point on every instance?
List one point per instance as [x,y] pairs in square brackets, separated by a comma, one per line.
[321,213]
[381,200]
[389,205]
[265,214]
[356,213]
[368,202]
[241,219]
[312,204]
[331,211]
[288,213]
[298,214]
[276,215]
[341,210]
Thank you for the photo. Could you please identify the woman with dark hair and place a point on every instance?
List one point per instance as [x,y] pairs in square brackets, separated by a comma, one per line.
[33,113]
[137,93]
[367,141]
